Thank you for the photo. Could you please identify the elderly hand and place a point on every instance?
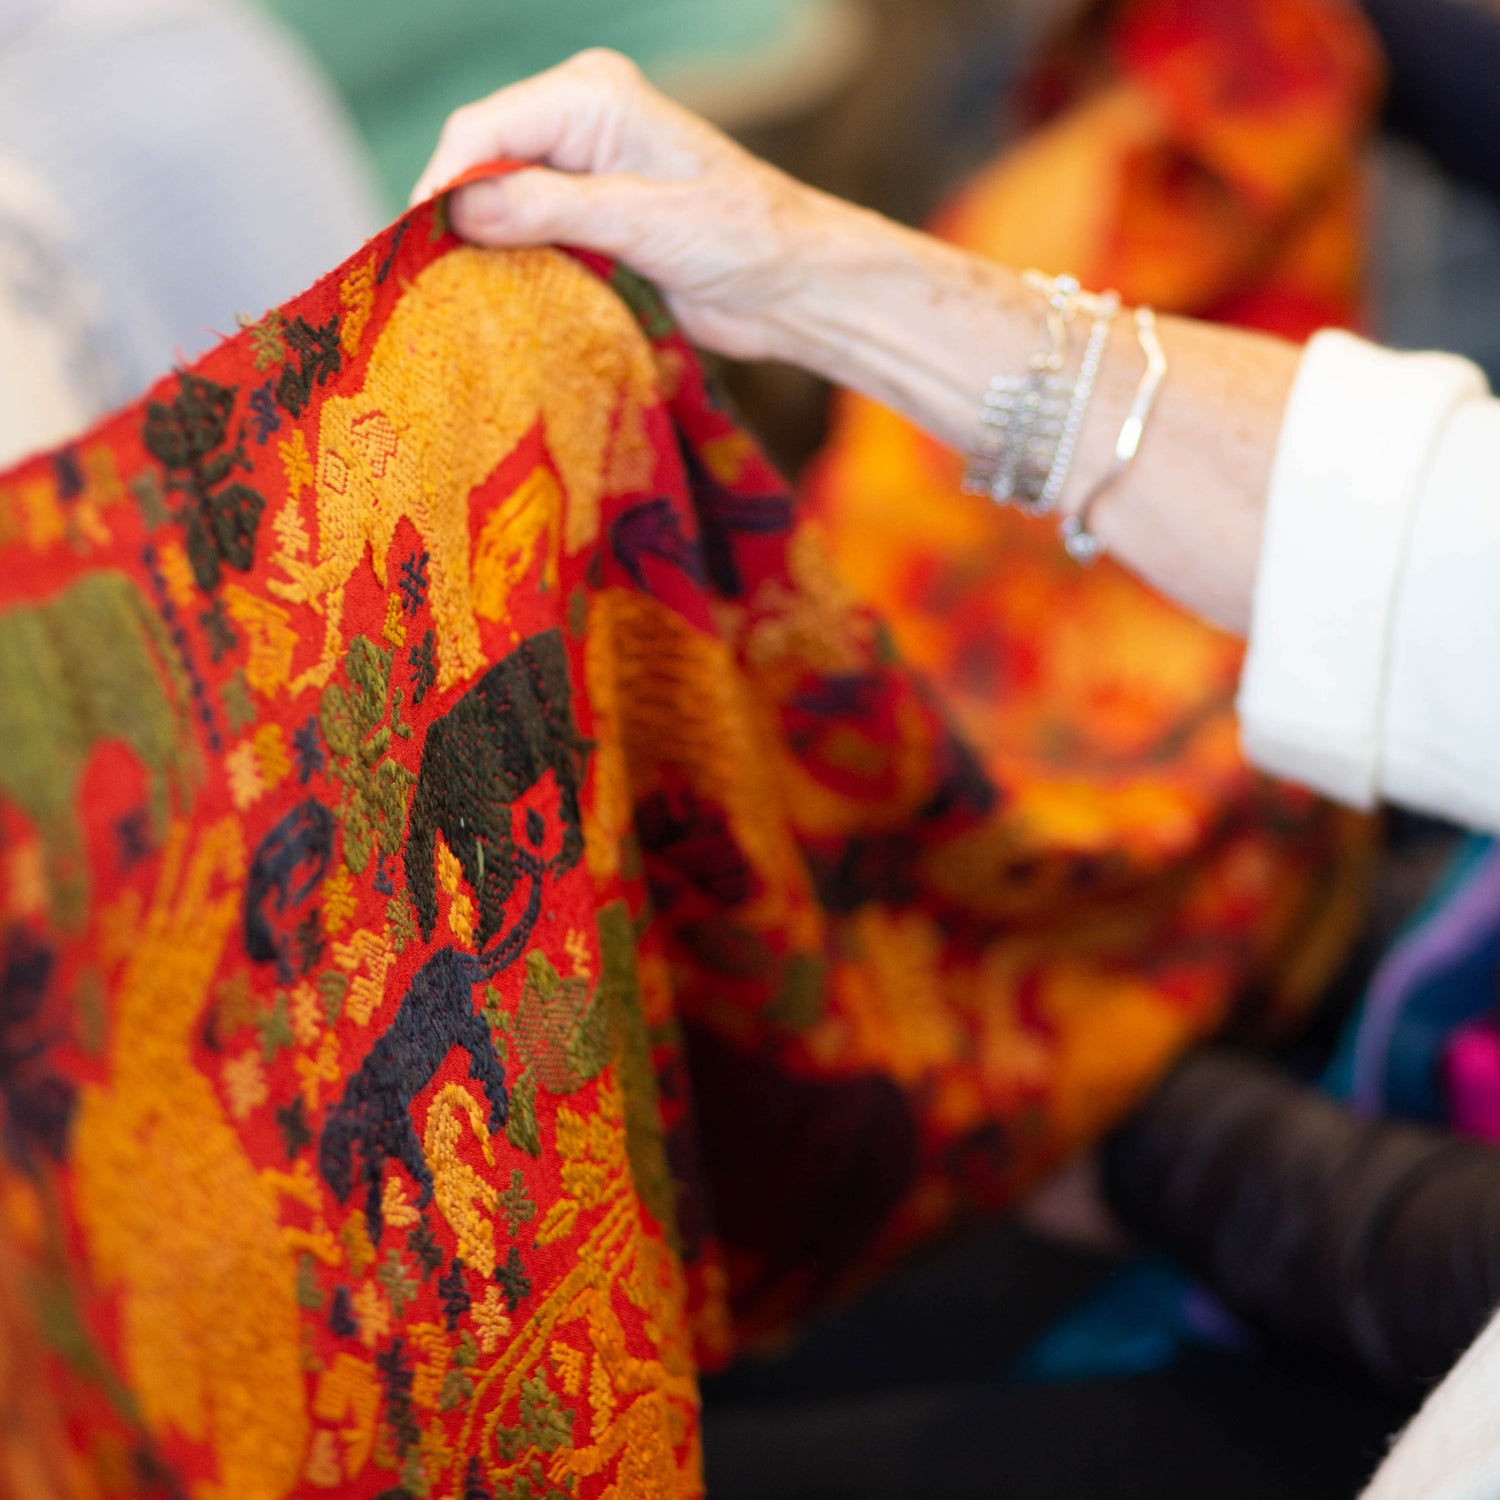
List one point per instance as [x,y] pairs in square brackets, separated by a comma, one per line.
[626,172]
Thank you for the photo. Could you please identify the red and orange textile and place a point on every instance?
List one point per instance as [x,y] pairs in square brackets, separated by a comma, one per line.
[1201,156]
[489,922]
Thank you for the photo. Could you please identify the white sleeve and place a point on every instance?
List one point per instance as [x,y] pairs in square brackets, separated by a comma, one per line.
[1451,1450]
[47,389]
[1441,728]
[1378,591]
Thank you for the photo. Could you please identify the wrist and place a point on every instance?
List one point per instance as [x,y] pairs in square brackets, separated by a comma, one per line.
[897,316]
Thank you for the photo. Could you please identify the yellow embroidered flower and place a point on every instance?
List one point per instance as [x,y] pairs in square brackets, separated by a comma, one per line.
[297,462]
[245,1084]
[307,1014]
[340,901]
[243,767]
[374,1314]
[491,1320]
[270,751]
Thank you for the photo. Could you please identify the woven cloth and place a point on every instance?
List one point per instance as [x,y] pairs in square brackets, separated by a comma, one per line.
[1200,156]
[489,924]
[1203,156]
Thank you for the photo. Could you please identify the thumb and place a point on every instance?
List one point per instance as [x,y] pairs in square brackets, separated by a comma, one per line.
[538,206]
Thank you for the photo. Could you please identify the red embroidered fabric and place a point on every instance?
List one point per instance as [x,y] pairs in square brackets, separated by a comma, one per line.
[488,922]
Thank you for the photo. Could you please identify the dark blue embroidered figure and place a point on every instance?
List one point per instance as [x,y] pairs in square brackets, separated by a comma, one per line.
[396,1375]
[436,1015]
[291,1120]
[499,740]
[428,1252]
[263,412]
[653,530]
[68,473]
[454,1294]
[289,865]
[423,659]
[341,1319]
[38,1107]
[414,582]
[475,1487]
[723,515]
[309,750]
[515,1284]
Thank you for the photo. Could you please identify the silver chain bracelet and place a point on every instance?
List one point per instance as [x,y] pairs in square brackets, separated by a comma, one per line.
[1029,424]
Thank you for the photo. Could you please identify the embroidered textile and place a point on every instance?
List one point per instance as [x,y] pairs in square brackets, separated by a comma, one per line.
[1201,155]
[489,922]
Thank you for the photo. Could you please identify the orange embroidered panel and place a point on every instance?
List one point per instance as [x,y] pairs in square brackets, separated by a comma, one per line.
[452,815]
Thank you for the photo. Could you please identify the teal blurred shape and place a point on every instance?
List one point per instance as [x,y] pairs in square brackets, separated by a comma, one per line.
[403,65]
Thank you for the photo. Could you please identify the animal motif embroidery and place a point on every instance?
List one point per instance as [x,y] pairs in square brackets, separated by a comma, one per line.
[508,341]
[288,867]
[91,664]
[437,1014]
[515,724]
[175,1215]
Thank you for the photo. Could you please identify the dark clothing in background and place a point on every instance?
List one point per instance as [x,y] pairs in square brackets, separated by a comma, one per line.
[1444,60]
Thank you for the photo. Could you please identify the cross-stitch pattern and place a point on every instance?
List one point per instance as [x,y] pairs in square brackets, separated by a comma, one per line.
[453,815]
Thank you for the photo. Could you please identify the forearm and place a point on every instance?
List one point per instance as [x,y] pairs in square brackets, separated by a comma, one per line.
[923,327]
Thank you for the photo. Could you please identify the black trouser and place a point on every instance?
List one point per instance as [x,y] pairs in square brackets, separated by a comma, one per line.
[1373,1242]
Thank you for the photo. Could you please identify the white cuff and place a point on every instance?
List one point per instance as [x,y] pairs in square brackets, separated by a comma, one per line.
[1355,447]
[1441,724]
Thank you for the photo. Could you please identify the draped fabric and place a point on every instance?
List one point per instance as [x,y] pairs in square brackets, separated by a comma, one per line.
[1202,156]
[490,921]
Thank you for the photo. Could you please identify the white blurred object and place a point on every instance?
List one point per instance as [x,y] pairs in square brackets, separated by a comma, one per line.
[51,369]
[196,165]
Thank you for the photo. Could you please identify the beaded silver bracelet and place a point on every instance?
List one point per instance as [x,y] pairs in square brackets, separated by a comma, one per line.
[1029,424]
[1081,543]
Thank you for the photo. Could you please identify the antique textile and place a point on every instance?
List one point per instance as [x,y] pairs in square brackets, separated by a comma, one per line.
[490,923]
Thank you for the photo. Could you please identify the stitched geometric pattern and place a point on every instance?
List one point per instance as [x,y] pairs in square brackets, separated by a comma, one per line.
[453,815]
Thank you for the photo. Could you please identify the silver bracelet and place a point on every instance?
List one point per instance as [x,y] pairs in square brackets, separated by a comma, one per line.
[1081,543]
[1093,354]
[1030,423]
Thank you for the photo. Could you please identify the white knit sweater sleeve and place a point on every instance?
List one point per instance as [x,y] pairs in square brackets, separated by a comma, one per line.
[1350,561]
[1374,674]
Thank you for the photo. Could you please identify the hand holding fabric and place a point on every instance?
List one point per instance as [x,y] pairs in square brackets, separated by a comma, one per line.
[624,171]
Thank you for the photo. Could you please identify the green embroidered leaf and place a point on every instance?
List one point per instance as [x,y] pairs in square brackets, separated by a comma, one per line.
[308,1295]
[400,1285]
[275,1028]
[516,1203]
[520,1125]
[332,989]
[543,1420]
